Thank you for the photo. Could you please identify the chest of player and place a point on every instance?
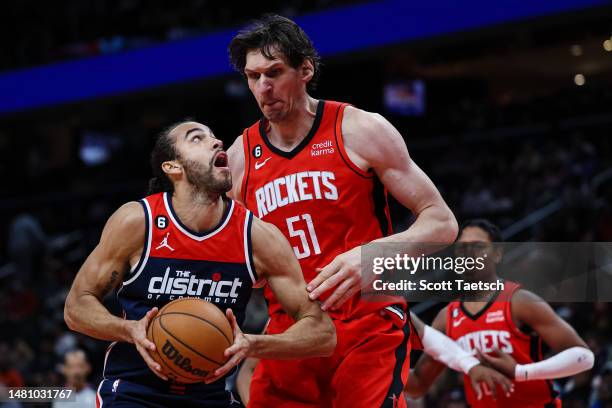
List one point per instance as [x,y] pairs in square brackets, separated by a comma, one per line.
[486,330]
[166,279]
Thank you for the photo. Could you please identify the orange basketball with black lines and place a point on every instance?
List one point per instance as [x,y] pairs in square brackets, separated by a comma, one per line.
[190,336]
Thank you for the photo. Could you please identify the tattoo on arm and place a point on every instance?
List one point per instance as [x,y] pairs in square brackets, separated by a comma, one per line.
[111,283]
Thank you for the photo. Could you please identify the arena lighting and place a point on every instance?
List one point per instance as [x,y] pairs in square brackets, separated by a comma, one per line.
[607,45]
[579,79]
[576,50]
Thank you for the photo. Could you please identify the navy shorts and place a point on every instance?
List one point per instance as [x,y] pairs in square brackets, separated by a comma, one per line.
[117,393]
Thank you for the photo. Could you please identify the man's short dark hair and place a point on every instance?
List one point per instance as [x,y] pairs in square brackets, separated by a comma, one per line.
[274,33]
[487,226]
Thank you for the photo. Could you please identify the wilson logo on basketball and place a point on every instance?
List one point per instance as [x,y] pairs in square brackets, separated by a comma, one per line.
[181,362]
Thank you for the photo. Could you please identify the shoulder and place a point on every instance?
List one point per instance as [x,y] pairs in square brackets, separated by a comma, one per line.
[236,147]
[130,215]
[271,251]
[359,120]
[126,226]
[528,307]
[264,233]
[439,322]
[372,137]
[523,295]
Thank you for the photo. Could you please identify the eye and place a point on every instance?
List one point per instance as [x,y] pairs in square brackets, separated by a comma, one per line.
[196,139]
[253,75]
[273,73]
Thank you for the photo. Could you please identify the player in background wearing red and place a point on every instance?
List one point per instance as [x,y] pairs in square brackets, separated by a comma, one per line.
[320,170]
[506,331]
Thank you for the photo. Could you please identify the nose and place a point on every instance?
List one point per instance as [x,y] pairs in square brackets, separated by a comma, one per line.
[218,144]
[265,84]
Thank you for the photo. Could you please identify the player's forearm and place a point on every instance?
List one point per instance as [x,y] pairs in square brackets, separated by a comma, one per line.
[435,224]
[564,364]
[422,376]
[310,336]
[446,351]
[86,314]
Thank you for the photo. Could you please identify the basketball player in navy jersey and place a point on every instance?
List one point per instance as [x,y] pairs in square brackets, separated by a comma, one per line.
[196,243]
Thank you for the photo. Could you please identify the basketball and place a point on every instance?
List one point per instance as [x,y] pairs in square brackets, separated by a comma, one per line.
[190,336]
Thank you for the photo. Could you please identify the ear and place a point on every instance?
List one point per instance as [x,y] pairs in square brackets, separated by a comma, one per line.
[172,167]
[307,70]
[499,253]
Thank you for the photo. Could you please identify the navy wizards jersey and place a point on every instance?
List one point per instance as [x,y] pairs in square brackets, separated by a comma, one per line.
[215,265]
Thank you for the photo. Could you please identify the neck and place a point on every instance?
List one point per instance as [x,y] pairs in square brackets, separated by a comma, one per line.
[292,129]
[483,295]
[77,386]
[198,210]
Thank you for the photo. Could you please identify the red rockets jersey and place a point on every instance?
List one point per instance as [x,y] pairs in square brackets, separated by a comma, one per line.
[323,203]
[492,328]
[176,262]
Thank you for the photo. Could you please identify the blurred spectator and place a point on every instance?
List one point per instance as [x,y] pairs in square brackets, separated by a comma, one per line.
[9,376]
[76,369]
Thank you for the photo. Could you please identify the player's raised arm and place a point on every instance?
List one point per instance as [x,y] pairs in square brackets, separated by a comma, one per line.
[374,143]
[573,356]
[122,239]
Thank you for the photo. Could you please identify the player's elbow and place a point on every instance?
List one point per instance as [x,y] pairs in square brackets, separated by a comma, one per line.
[588,360]
[69,314]
[447,228]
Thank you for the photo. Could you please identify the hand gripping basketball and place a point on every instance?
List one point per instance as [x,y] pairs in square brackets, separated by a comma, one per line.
[138,334]
[238,351]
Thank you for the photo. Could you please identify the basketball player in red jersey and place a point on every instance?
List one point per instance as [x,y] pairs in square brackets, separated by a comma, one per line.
[319,170]
[506,331]
[196,243]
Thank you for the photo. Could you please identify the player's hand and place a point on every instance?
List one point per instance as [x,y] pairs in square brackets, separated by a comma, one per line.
[343,274]
[138,333]
[236,352]
[500,361]
[480,374]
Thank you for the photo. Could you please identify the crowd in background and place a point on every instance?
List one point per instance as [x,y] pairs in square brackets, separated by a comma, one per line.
[82,28]
[499,158]
[482,171]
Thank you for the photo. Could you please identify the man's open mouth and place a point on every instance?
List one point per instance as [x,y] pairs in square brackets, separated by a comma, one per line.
[220,160]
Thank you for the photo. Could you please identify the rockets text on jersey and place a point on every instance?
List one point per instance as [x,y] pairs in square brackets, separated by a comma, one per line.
[493,328]
[322,202]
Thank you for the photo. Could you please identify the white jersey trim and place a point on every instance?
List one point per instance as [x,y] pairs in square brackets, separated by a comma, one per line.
[248,250]
[145,256]
[98,396]
[211,234]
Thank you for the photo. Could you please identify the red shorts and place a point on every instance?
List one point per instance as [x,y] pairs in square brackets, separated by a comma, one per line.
[369,367]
